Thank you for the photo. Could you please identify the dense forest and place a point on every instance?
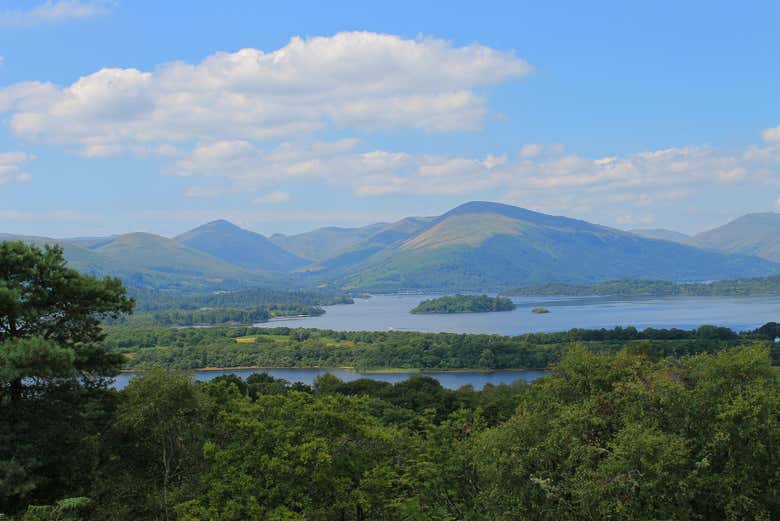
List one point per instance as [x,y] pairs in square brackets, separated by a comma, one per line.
[216,316]
[760,286]
[159,300]
[621,429]
[464,304]
[149,347]
[619,436]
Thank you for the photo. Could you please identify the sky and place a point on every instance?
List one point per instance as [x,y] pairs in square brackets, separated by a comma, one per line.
[136,115]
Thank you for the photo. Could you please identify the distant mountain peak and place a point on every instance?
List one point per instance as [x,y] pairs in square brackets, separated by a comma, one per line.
[751,234]
[519,213]
[220,223]
[245,248]
[484,207]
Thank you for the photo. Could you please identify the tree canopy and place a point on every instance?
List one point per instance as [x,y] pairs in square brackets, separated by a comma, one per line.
[50,317]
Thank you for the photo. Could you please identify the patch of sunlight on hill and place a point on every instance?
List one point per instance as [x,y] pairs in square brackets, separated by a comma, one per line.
[467,230]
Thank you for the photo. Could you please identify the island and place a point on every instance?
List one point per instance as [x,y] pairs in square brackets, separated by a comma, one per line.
[540,311]
[464,304]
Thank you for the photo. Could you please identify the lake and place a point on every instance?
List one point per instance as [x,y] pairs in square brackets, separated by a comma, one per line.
[307,376]
[391,312]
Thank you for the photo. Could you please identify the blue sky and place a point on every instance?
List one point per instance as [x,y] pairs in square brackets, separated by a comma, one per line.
[159,116]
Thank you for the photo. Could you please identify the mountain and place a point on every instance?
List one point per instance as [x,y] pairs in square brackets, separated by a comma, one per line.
[753,234]
[385,237]
[482,245]
[153,253]
[234,245]
[663,235]
[476,246]
[145,260]
[324,243]
[78,256]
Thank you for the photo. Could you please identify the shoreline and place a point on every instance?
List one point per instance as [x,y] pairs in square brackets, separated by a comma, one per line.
[350,369]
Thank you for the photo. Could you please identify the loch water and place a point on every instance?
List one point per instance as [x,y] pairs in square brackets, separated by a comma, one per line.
[392,312]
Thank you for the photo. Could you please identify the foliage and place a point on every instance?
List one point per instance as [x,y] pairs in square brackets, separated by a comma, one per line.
[69,509]
[159,427]
[151,300]
[285,347]
[605,436]
[50,318]
[654,288]
[51,368]
[629,438]
[630,425]
[464,304]
[217,316]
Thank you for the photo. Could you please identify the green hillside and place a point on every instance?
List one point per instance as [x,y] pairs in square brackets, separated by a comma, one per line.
[324,243]
[240,247]
[664,235]
[488,245]
[388,237]
[762,286]
[79,257]
[145,260]
[476,246]
[753,234]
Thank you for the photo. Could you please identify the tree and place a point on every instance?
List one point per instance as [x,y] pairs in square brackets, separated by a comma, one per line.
[50,318]
[159,430]
[627,437]
[50,335]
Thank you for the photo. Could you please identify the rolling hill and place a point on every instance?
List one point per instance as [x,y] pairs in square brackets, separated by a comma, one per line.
[387,236]
[753,234]
[325,243]
[476,246]
[483,245]
[78,256]
[664,235]
[145,260]
[234,245]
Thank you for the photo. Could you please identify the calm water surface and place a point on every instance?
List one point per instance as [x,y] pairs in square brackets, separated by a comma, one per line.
[387,312]
[391,312]
[307,376]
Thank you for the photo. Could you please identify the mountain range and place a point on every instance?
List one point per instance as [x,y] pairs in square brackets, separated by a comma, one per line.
[755,234]
[478,245]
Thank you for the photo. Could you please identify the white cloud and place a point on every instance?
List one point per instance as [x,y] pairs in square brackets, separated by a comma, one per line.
[360,80]
[777,203]
[275,197]
[11,167]
[547,180]
[771,135]
[51,11]
[532,150]
[340,163]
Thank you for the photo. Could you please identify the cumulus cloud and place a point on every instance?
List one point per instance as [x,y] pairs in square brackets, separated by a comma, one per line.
[51,11]
[772,135]
[359,80]
[11,167]
[544,177]
[340,163]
